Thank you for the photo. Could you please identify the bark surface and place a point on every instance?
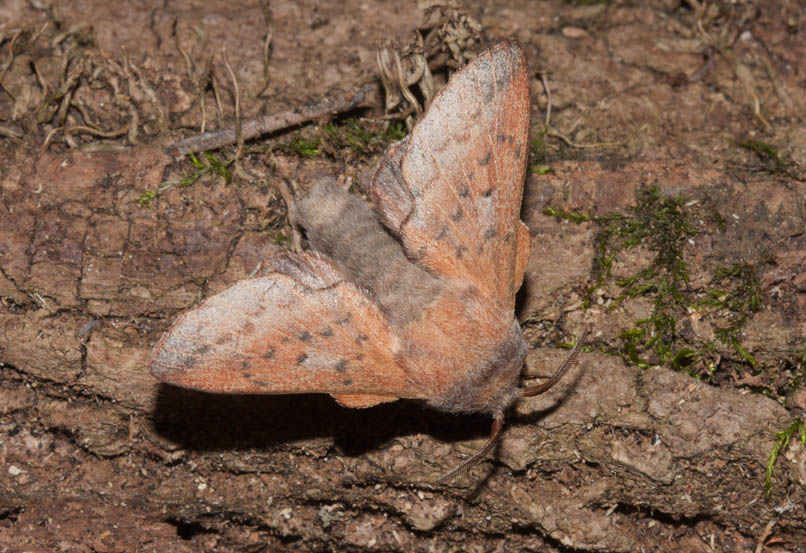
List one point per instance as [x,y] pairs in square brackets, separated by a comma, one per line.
[96,455]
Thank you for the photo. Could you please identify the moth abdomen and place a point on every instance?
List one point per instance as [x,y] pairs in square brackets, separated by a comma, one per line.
[346,228]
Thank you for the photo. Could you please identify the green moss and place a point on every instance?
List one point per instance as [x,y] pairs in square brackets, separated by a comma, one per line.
[396,130]
[360,137]
[797,428]
[538,150]
[736,291]
[303,147]
[538,155]
[562,214]
[766,153]
[213,166]
[663,225]
[773,162]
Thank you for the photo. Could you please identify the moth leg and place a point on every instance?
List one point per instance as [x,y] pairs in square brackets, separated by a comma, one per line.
[495,433]
[285,189]
[569,362]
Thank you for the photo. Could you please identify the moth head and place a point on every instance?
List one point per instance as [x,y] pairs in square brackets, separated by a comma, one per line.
[490,384]
[499,375]
[498,417]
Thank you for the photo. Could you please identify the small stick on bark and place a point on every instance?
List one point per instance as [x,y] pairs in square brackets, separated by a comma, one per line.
[764,535]
[252,128]
[267,16]
[238,133]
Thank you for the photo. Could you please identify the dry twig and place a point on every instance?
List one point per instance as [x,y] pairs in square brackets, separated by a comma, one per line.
[364,96]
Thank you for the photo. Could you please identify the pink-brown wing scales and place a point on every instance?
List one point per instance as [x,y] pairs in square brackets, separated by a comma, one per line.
[297,327]
[452,191]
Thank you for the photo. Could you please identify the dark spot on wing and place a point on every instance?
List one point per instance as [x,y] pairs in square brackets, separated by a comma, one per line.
[302,358]
[248,327]
[268,354]
[341,366]
[246,375]
[439,147]
[187,361]
[460,251]
[285,339]
[347,382]
[361,338]
[518,152]
[464,192]
[327,333]
[345,319]
[457,215]
[201,349]
[443,232]
[487,193]
[223,339]
[305,336]
[501,137]
[244,365]
[489,234]
[486,159]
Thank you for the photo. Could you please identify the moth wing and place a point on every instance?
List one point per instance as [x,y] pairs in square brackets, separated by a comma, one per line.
[297,327]
[452,190]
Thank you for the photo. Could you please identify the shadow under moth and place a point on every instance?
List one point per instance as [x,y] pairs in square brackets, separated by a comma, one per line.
[412,297]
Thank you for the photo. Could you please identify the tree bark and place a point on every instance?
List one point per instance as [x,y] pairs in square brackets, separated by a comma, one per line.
[614,458]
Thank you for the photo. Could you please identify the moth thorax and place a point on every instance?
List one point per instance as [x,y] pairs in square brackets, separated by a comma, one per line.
[491,384]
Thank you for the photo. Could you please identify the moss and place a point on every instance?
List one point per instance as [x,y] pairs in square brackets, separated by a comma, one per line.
[562,214]
[303,147]
[736,291]
[766,153]
[798,429]
[396,130]
[359,136]
[663,225]
[213,166]
[773,162]
[362,137]
[538,155]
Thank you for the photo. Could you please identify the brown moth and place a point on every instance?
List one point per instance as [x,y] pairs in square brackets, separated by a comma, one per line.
[412,299]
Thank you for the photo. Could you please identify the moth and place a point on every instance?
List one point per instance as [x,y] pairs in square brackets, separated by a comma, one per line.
[412,297]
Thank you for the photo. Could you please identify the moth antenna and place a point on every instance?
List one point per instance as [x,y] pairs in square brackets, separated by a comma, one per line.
[495,433]
[569,362]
